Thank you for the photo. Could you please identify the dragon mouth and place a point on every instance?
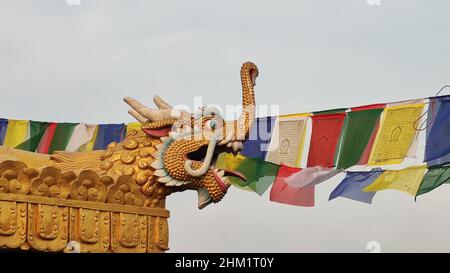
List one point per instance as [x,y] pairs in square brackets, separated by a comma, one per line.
[222,178]
[220,175]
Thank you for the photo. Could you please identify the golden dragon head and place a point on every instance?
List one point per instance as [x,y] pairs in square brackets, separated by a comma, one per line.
[191,142]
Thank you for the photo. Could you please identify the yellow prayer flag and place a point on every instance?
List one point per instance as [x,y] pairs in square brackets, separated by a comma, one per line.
[396,134]
[227,161]
[286,145]
[89,146]
[407,180]
[16,133]
[136,126]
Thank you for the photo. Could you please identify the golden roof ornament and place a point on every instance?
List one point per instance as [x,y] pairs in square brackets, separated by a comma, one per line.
[114,200]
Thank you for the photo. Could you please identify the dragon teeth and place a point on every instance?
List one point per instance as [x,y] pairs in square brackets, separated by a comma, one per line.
[226,181]
[165,179]
[164,139]
[173,182]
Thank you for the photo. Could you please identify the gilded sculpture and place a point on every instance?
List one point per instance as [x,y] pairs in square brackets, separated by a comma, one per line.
[114,200]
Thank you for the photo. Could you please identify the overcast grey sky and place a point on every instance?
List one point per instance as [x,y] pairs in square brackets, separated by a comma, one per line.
[75,63]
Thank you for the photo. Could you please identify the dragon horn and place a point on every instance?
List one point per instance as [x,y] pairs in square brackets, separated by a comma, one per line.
[249,72]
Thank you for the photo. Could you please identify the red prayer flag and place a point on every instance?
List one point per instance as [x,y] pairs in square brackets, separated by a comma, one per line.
[326,130]
[46,141]
[281,192]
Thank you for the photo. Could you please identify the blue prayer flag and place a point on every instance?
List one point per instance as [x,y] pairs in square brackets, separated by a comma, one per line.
[257,144]
[353,184]
[437,147]
[3,128]
[108,133]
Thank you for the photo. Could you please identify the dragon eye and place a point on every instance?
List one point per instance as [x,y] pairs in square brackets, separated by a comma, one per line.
[212,124]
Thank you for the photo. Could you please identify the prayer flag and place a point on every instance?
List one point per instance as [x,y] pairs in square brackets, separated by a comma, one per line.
[311,176]
[368,149]
[16,133]
[407,180]
[260,174]
[396,134]
[46,140]
[353,184]
[358,128]
[227,161]
[37,130]
[134,126]
[326,130]
[89,146]
[438,141]
[433,107]
[257,144]
[108,133]
[3,128]
[286,146]
[81,134]
[61,137]
[282,192]
[434,178]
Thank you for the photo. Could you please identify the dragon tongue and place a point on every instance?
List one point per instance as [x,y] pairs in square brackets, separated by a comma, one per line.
[158,132]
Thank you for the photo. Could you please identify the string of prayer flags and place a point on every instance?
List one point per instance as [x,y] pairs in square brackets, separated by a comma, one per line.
[326,131]
[257,144]
[282,192]
[108,133]
[353,184]
[82,133]
[434,178]
[407,180]
[37,130]
[358,129]
[3,128]
[259,174]
[16,133]
[437,143]
[311,176]
[286,146]
[396,134]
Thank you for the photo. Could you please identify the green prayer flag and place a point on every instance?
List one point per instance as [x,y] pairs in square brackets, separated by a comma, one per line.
[37,130]
[356,133]
[433,179]
[259,173]
[61,138]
